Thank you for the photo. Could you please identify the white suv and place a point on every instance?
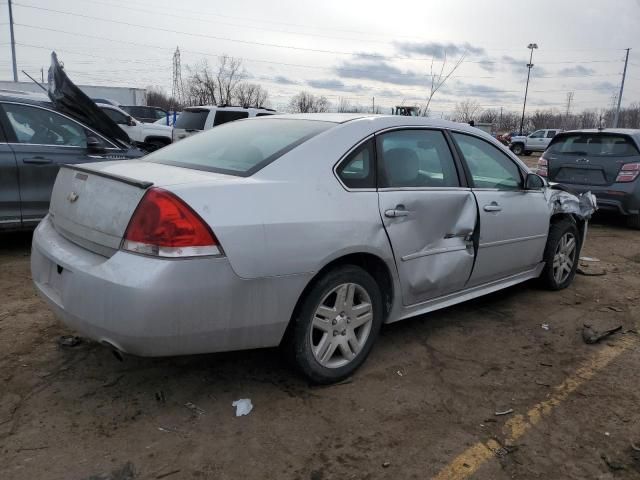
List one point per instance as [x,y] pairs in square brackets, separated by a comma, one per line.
[147,136]
[195,119]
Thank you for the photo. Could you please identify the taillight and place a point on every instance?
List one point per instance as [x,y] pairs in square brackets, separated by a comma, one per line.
[543,167]
[164,226]
[629,172]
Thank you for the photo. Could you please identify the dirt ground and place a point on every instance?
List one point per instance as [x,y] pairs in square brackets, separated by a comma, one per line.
[428,392]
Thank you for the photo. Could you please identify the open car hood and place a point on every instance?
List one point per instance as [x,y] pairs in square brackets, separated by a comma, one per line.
[67,98]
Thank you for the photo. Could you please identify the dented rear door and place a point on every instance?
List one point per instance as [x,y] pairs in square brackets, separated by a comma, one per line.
[428,216]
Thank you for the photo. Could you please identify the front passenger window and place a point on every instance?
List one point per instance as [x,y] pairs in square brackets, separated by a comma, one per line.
[43,127]
[489,167]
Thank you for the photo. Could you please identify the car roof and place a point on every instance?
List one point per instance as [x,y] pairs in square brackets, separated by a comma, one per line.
[621,131]
[232,108]
[112,107]
[39,99]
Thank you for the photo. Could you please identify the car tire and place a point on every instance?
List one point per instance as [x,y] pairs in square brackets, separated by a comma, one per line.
[633,221]
[517,148]
[328,338]
[561,255]
[527,152]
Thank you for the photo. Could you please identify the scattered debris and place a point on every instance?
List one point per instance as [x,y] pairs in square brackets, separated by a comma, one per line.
[546,364]
[243,406]
[160,396]
[612,464]
[69,341]
[615,309]
[490,420]
[545,326]
[505,450]
[386,464]
[194,408]
[505,412]
[111,383]
[400,374]
[590,274]
[542,384]
[126,472]
[591,336]
[589,259]
[634,447]
[164,475]
[167,430]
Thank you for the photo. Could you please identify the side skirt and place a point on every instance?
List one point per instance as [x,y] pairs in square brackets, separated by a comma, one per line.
[464,295]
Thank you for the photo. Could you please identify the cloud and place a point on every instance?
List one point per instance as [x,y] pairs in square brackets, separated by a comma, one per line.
[379,71]
[285,80]
[576,71]
[335,84]
[438,50]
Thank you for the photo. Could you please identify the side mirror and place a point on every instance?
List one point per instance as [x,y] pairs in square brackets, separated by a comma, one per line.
[94,145]
[131,122]
[534,182]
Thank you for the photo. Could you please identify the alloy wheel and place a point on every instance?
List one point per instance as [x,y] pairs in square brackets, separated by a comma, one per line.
[564,257]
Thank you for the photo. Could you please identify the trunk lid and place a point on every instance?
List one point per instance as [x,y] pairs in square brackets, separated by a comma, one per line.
[91,205]
[589,158]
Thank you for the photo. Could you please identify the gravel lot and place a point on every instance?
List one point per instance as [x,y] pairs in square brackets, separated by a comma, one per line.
[421,404]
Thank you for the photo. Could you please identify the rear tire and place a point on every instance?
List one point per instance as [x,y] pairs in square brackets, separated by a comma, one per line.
[336,325]
[561,255]
[517,148]
[527,152]
[633,221]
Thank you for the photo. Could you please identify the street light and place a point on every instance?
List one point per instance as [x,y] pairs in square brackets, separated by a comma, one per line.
[531,47]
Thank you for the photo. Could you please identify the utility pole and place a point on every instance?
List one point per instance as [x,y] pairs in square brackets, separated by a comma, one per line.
[42,74]
[569,100]
[13,43]
[500,121]
[531,47]
[624,74]
[373,104]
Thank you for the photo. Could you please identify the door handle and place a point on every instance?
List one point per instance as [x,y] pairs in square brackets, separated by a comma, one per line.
[37,161]
[492,207]
[399,211]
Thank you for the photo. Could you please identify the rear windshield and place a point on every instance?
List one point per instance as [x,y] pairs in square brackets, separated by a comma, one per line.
[192,119]
[593,144]
[239,148]
[225,116]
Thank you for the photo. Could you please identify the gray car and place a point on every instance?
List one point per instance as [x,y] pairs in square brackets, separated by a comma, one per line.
[605,162]
[306,231]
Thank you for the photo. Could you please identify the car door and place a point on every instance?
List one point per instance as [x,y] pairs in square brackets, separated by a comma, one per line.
[513,222]
[536,141]
[42,140]
[428,213]
[9,190]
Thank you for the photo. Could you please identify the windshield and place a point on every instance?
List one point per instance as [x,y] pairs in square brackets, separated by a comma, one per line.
[239,148]
[593,144]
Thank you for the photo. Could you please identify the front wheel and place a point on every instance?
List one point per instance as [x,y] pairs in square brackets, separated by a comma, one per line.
[633,221]
[336,325]
[561,255]
[517,148]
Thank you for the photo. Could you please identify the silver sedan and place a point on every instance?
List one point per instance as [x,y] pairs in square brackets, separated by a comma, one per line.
[306,231]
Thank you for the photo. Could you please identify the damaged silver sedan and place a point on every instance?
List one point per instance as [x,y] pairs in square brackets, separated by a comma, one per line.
[306,231]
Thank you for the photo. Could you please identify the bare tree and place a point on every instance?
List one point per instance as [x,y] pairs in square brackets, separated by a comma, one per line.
[206,87]
[251,95]
[344,106]
[438,79]
[466,110]
[489,116]
[157,97]
[305,102]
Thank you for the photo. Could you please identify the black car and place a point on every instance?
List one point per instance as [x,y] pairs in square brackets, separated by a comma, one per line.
[603,161]
[37,135]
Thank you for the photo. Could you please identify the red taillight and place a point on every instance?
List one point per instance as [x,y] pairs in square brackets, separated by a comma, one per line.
[629,172]
[543,167]
[163,225]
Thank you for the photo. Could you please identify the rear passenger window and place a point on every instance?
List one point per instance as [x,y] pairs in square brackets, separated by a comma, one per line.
[357,170]
[489,167]
[224,116]
[416,158]
[263,114]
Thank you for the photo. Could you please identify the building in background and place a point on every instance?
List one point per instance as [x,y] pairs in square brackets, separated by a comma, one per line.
[121,95]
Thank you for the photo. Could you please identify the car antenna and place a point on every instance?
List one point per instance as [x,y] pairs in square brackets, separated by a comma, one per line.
[34,81]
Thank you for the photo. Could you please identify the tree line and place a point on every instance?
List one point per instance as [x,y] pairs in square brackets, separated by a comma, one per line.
[228,84]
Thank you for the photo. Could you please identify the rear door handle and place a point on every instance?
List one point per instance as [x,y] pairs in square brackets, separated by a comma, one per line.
[492,207]
[399,211]
[37,161]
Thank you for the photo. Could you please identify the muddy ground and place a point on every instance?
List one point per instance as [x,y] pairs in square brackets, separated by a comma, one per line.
[429,390]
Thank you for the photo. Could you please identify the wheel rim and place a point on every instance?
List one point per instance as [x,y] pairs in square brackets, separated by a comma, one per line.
[341,325]
[564,257]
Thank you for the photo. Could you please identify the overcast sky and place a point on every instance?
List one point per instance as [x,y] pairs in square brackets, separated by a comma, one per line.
[351,49]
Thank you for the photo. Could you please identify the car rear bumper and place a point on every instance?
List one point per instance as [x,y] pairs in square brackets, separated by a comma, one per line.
[623,198]
[158,307]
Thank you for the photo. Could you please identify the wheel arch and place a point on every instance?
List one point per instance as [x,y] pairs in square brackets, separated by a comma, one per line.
[373,264]
[579,222]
